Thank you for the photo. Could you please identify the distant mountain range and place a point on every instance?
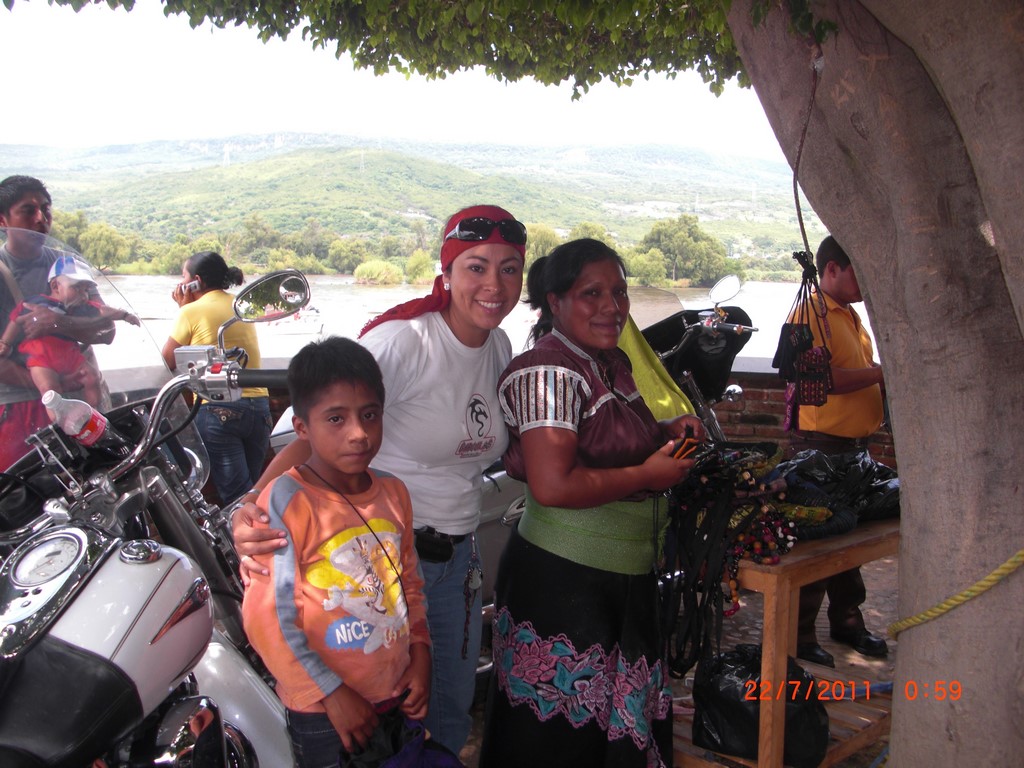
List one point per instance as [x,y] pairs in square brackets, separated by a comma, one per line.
[354,186]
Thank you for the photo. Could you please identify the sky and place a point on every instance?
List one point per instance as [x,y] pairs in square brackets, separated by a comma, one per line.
[104,76]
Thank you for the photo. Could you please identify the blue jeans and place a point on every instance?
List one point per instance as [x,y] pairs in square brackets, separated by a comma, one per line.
[453,679]
[315,743]
[236,436]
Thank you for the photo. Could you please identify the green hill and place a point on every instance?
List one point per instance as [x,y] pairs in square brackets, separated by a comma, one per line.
[355,187]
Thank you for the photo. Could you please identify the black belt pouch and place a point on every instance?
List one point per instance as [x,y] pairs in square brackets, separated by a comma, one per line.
[433,549]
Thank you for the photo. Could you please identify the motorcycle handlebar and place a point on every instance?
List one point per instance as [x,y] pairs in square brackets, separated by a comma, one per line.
[271,378]
[733,328]
[214,378]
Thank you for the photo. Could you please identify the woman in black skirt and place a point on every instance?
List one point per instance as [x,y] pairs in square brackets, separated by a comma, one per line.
[579,678]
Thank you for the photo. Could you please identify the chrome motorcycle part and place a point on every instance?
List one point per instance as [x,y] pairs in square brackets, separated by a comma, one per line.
[140,551]
[190,734]
[733,393]
[42,577]
[46,559]
[57,510]
[240,751]
[227,676]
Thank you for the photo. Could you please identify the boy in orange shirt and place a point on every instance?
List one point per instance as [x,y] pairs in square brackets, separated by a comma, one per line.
[341,620]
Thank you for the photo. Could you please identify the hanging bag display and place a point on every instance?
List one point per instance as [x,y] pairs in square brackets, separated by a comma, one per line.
[807,368]
[814,376]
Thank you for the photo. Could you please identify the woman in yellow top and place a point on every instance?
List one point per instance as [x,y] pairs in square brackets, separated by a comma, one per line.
[236,433]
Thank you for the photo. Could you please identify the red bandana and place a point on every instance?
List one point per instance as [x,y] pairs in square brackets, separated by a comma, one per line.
[439,298]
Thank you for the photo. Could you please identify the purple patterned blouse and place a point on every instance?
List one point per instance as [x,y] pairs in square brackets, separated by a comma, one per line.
[558,384]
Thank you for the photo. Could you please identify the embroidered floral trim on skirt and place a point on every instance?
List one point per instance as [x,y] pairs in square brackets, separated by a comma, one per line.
[577,674]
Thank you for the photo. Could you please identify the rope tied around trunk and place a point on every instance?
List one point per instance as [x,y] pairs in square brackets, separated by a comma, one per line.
[985,584]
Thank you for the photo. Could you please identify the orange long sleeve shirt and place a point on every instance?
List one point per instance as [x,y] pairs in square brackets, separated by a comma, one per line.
[344,600]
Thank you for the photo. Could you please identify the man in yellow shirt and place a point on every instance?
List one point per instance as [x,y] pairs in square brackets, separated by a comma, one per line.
[851,414]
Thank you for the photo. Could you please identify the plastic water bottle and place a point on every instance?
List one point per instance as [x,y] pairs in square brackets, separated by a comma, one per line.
[82,422]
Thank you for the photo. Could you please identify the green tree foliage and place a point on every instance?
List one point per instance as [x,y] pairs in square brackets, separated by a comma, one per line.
[68,227]
[579,40]
[168,260]
[690,253]
[252,242]
[771,269]
[646,267]
[392,249]
[207,243]
[595,231]
[422,235]
[285,258]
[313,240]
[378,272]
[419,269]
[540,240]
[104,247]
[347,253]
[157,258]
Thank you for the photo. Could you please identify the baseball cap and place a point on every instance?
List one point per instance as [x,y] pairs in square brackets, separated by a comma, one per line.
[71,268]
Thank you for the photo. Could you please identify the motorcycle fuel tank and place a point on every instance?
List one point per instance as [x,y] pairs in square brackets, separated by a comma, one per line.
[96,630]
[147,609]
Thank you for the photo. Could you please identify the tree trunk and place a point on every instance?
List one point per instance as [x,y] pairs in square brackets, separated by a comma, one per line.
[914,160]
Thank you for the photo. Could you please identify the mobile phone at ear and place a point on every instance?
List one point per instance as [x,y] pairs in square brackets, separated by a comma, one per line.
[192,286]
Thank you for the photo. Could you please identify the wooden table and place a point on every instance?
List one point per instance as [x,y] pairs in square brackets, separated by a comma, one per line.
[807,562]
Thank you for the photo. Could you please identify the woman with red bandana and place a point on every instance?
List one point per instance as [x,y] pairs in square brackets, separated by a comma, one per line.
[441,356]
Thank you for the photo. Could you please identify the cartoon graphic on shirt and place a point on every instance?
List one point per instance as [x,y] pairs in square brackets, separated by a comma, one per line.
[478,426]
[360,573]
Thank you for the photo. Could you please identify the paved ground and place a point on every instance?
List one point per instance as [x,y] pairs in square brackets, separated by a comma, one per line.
[745,627]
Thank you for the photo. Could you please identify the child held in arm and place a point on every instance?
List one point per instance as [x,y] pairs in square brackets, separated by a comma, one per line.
[341,620]
[54,357]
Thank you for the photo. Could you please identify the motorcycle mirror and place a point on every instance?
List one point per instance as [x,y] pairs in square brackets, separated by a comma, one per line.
[724,289]
[275,296]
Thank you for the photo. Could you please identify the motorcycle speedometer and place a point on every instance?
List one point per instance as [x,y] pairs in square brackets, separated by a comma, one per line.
[42,576]
[46,560]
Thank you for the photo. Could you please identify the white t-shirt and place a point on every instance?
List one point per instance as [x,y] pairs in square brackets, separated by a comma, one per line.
[442,419]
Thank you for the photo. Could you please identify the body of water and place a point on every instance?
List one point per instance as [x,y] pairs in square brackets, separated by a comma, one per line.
[341,307]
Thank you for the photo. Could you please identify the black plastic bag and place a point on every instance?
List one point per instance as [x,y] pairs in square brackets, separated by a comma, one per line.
[854,486]
[727,693]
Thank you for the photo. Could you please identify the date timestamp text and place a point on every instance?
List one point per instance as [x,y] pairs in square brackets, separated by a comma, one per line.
[849,690]
[796,690]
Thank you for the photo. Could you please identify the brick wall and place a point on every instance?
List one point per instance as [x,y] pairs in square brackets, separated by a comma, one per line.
[759,415]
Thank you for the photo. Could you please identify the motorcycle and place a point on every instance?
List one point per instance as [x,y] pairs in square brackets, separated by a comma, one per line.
[698,349]
[121,640]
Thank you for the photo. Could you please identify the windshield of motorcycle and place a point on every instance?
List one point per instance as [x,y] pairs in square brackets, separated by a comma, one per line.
[128,366]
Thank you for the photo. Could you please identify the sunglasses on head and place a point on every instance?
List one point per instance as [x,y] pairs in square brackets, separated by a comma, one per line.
[480,228]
